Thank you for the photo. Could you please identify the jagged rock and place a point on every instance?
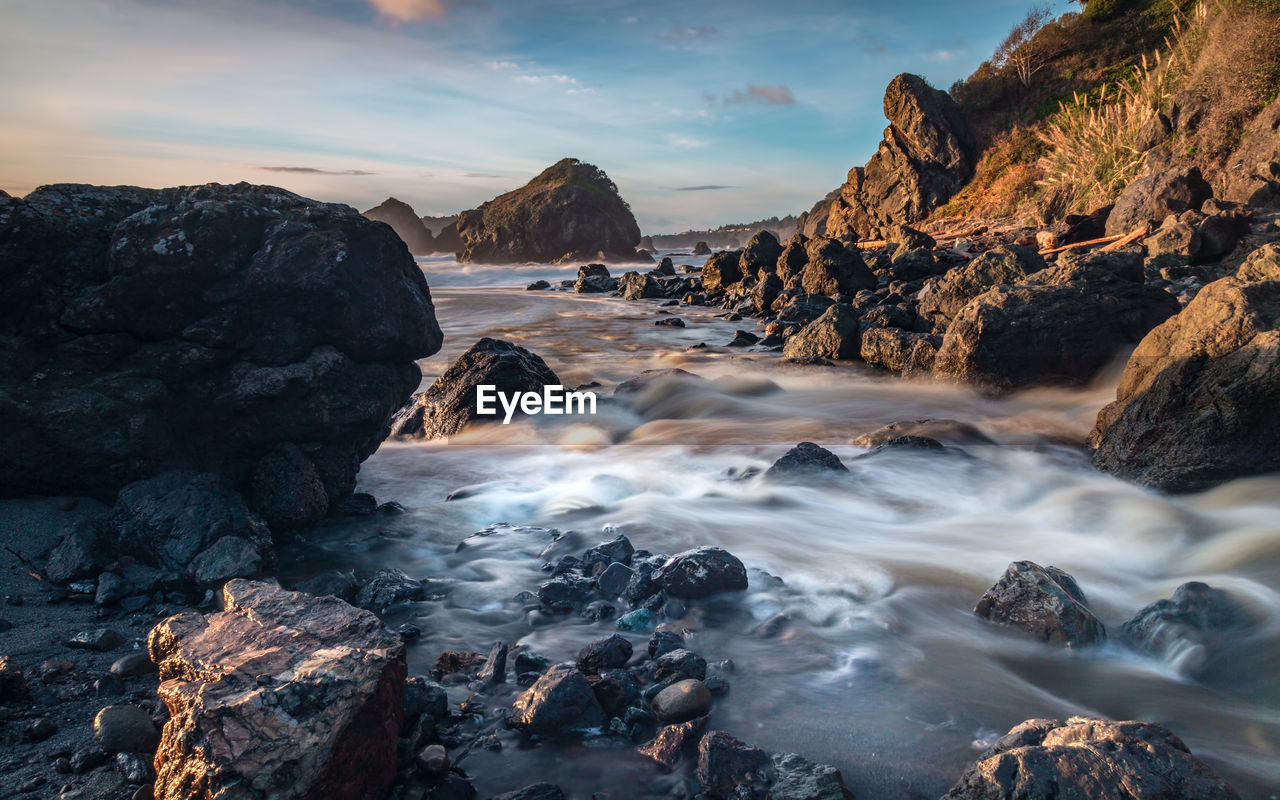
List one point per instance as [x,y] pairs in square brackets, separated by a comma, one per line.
[942,300]
[1186,627]
[229,557]
[635,286]
[682,701]
[1042,759]
[727,767]
[449,405]
[407,225]
[388,587]
[702,572]
[832,269]
[199,328]
[1045,602]
[536,791]
[1154,196]
[760,254]
[800,308]
[913,265]
[1196,404]
[832,335]
[287,489]
[798,778]
[610,652]
[679,664]
[559,703]
[1262,264]
[594,279]
[666,749]
[722,270]
[926,156]
[900,351]
[805,458]
[1252,173]
[537,286]
[569,212]
[790,262]
[281,695]
[701,249]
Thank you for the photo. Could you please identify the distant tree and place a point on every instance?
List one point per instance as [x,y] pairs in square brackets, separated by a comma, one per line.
[1019,51]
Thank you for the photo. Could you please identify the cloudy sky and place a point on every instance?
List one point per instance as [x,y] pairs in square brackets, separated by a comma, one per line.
[703,113]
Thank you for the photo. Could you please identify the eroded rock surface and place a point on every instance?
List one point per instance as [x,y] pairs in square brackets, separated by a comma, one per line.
[1044,602]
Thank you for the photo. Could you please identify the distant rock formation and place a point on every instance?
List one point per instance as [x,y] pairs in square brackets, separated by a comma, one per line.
[407,225]
[448,240]
[570,212]
[926,156]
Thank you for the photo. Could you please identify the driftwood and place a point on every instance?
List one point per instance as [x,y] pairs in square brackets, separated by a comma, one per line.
[871,244]
[1129,238]
[1111,242]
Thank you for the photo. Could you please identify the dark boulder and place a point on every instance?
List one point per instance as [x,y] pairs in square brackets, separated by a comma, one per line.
[1196,404]
[699,573]
[942,300]
[1045,602]
[722,270]
[729,768]
[678,665]
[559,703]
[407,225]
[200,328]
[805,459]
[832,335]
[594,279]
[449,405]
[790,262]
[637,286]
[701,249]
[1187,627]
[760,254]
[1155,195]
[569,212]
[832,269]
[388,587]
[611,652]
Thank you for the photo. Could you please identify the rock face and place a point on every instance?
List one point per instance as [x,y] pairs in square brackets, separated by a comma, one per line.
[942,300]
[1156,195]
[407,225]
[832,335]
[926,156]
[570,212]
[450,404]
[1045,602]
[281,695]
[206,328]
[1042,759]
[1253,171]
[1196,404]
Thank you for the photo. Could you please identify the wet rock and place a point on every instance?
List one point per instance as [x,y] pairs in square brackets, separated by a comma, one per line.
[800,779]
[722,270]
[433,760]
[638,621]
[88,758]
[1195,405]
[679,664]
[100,639]
[663,642]
[832,335]
[669,322]
[743,339]
[1155,195]
[449,405]
[527,662]
[616,551]
[134,768]
[609,652]
[730,768]
[942,300]
[1045,602]
[612,582]
[594,279]
[229,557]
[701,249]
[388,587]
[900,443]
[900,351]
[537,791]
[682,701]
[1042,759]
[13,684]
[466,663]
[639,383]
[667,748]
[805,458]
[198,328]
[635,286]
[281,695]
[616,690]
[700,573]
[565,593]
[537,286]
[421,696]
[111,589]
[560,703]
[125,729]
[132,664]
[335,583]
[1186,628]
[949,431]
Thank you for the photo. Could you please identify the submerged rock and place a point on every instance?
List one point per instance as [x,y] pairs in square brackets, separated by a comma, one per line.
[801,779]
[1043,759]
[700,573]
[832,335]
[667,748]
[1186,628]
[1045,602]
[449,405]
[729,768]
[282,695]
[805,458]
[559,703]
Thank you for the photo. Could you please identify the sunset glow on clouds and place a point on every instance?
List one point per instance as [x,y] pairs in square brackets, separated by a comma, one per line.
[355,100]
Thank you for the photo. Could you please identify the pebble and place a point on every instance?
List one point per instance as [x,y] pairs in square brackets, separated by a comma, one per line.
[100,639]
[125,729]
[681,701]
[127,666]
[638,621]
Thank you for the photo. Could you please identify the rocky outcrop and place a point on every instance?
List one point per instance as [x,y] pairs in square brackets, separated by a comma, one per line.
[1196,404]
[1041,759]
[1155,195]
[1044,602]
[570,212]
[1252,173]
[449,405]
[832,335]
[282,695]
[238,330]
[832,269]
[941,300]
[926,156]
[407,225]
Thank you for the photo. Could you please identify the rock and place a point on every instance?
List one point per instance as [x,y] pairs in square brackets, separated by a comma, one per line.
[594,279]
[1262,264]
[407,225]
[1155,195]
[449,405]
[1252,172]
[805,458]
[941,301]
[613,581]
[610,652]
[951,431]
[433,760]
[760,254]
[701,249]
[111,589]
[421,696]
[832,269]
[926,156]
[334,583]
[700,573]
[722,270]
[199,328]
[1187,626]
[832,335]
[13,684]
[913,265]
[287,489]
[537,286]
[798,778]
[639,383]
[1042,759]
[229,557]
[536,791]
[125,729]
[670,322]
[726,765]
[466,663]
[679,664]
[618,550]
[666,749]
[564,594]
[904,236]
[569,212]
[40,729]
[281,695]
[388,587]
[132,664]
[900,351]
[682,701]
[99,639]
[663,642]
[134,768]
[635,286]
[1195,405]
[77,554]
[638,621]
[1046,603]
[559,703]
[616,690]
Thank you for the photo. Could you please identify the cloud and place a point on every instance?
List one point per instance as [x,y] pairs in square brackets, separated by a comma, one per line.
[315,171]
[409,10]
[482,175]
[686,142]
[536,79]
[778,94]
[710,187]
[684,34]
[502,65]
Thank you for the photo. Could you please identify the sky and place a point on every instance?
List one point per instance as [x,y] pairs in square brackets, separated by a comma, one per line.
[704,113]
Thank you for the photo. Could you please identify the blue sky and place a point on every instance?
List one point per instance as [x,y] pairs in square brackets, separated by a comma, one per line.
[702,113]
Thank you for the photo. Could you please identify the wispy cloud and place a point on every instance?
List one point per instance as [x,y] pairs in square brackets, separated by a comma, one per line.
[482,175]
[710,187]
[409,10]
[549,79]
[778,94]
[502,65]
[686,142]
[315,171]
[684,34]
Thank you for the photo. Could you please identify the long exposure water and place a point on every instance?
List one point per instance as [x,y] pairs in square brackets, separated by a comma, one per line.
[855,644]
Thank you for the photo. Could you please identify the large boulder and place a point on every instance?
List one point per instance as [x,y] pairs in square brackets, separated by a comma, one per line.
[1060,327]
[1155,195]
[1044,602]
[1043,759]
[407,225]
[201,328]
[282,695]
[722,270]
[926,156]
[941,300]
[760,254]
[832,269]
[570,212]
[637,286]
[449,405]
[1196,404]
[1262,264]
[1252,173]
[832,335]
[559,703]
[900,351]
[702,572]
